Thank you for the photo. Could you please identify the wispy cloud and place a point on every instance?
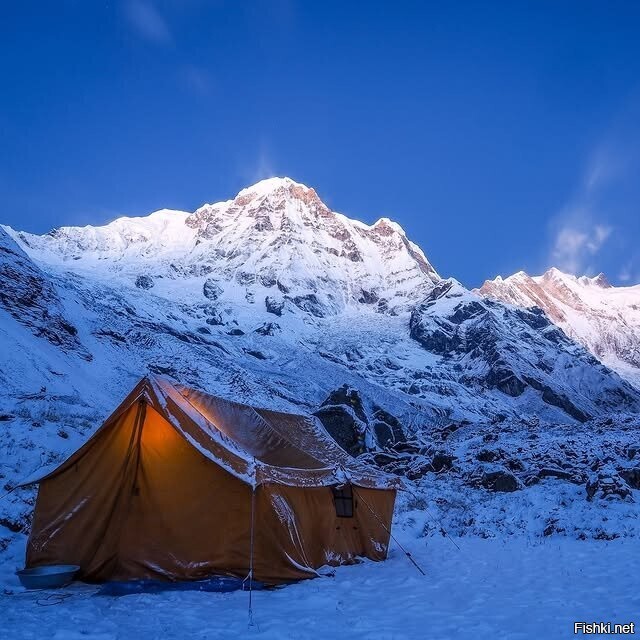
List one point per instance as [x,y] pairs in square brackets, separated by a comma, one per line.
[598,226]
[575,245]
[260,167]
[629,273]
[625,274]
[146,21]
[581,229]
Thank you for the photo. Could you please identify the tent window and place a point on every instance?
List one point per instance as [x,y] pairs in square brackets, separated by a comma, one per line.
[343,500]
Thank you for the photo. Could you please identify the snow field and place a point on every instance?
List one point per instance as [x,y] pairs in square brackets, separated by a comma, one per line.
[496,588]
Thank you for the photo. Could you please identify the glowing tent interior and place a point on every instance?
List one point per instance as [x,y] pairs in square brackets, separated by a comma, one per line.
[178,484]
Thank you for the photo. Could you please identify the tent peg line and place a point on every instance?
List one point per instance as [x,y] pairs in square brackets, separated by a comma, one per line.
[21,482]
[2,497]
[437,522]
[406,553]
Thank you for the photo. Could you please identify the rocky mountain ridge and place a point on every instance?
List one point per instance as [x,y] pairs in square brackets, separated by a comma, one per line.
[603,318]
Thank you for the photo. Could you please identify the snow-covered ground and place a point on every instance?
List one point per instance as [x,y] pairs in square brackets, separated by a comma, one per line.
[516,587]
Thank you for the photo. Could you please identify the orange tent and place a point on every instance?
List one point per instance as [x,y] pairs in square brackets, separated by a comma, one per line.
[181,485]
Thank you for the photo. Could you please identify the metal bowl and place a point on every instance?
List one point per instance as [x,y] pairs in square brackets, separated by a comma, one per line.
[50,576]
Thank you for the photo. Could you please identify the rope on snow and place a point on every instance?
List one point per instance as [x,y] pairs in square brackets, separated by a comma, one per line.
[406,553]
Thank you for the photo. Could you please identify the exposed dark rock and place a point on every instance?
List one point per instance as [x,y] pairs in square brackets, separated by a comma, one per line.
[245,278]
[144,282]
[505,380]
[311,304]
[552,527]
[163,370]
[410,447]
[30,297]
[435,338]
[339,421]
[235,332]
[256,354]
[184,336]
[417,469]
[263,223]
[559,400]
[488,455]
[351,252]
[463,312]
[15,525]
[383,459]
[608,486]
[211,289]
[274,306]
[368,297]
[534,317]
[442,461]
[633,450]
[114,336]
[213,318]
[267,280]
[499,479]
[382,306]
[513,464]
[268,329]
[387,427]
[489,345]
[631,477]
[383,433]
[347,396]
[552,472]
[448,430]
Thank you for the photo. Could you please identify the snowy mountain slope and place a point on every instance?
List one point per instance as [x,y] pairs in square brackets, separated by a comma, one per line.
[242,296]
[517,351]
[264,299]
[605,319]
[28,296]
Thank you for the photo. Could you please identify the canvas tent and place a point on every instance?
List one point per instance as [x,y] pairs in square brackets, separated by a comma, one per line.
[181,485]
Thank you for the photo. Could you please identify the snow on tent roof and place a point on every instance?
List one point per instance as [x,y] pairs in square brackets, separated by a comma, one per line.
[255,445]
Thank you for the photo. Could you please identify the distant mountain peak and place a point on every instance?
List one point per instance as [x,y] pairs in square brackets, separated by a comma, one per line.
[597,281]
[604,318]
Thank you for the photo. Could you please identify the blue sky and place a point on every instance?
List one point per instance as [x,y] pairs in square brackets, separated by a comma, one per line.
[502,136]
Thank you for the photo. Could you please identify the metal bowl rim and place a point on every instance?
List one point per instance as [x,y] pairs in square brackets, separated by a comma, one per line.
[49,570]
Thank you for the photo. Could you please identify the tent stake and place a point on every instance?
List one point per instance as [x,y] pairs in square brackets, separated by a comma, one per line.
[406,553]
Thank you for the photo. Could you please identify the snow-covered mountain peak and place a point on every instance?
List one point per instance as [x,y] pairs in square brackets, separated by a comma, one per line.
[604,318]
[273,187]
[597,281]
[276,243]
[555,275]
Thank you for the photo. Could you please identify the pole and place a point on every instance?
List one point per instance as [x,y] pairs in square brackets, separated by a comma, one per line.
[253,509]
